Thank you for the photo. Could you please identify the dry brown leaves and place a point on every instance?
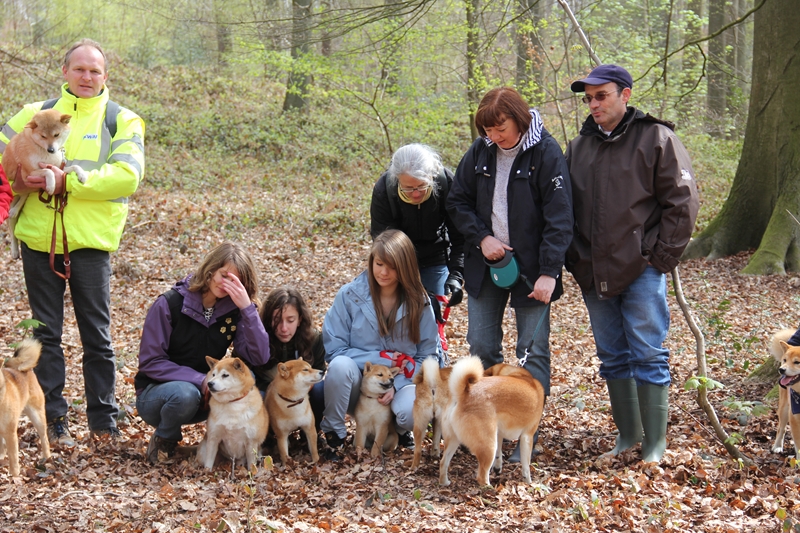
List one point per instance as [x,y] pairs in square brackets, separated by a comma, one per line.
[106,486]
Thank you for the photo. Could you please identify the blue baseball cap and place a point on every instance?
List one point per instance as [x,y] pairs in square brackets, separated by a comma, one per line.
[604,74]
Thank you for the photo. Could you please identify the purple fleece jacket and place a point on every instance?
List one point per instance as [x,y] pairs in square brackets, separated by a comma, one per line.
[251,341]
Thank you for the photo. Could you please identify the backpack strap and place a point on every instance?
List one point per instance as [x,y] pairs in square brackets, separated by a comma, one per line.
[112,112]
[175,302]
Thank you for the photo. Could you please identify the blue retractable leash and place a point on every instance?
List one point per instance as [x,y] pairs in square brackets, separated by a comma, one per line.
[505,274]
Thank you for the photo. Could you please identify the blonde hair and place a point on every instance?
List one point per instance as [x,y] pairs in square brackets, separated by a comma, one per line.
[394,248]
[220,256]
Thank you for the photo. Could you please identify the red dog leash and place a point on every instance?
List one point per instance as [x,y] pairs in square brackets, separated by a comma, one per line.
[59,203]
[405,362]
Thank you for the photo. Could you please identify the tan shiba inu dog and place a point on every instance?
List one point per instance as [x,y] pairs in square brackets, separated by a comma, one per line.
[789,359]
[20,393]
[372,418]
[238,420]
[40,141]
[432,398]
[288,405]
[485,410]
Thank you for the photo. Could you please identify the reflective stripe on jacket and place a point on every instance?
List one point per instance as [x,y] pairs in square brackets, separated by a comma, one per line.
[96,210]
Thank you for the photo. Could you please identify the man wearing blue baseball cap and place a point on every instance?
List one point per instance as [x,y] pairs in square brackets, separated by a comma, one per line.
[635,203]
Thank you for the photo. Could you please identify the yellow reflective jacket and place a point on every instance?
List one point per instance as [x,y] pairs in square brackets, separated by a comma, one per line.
[96,210]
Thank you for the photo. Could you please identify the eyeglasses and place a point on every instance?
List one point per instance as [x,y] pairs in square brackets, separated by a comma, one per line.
[410,190]
[599,96]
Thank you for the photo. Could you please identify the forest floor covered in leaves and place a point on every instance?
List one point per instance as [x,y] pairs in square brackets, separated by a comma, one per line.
[106,486]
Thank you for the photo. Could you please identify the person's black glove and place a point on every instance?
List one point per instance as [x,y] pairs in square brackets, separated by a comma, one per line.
[453,290]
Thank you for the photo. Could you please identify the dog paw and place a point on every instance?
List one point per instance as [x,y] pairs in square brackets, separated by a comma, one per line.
[777,449]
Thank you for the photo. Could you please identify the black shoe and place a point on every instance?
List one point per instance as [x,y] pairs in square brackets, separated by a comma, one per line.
[112,433]
[58,432]
[515,455]
[335,444]
[157,444]
[406,440]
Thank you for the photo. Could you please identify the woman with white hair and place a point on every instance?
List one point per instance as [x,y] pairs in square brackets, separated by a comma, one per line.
[410,196]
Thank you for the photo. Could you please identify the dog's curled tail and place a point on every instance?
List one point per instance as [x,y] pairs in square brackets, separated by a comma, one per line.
[466,372]
[26,356]
[428,373]
[775,347]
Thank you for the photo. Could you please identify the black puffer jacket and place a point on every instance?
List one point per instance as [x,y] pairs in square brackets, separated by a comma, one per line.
[539,210]
[428,225]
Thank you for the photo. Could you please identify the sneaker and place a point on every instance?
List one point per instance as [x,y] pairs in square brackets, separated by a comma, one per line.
[334,446]
[406,440]
[112,433]
[58,433]
[158,444]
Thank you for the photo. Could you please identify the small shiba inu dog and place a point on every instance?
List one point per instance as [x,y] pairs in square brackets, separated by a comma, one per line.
[432,398]
[372,418]
[288,406]
[20,393]
[238,421]
[789,359]
[40,141]
[485,410]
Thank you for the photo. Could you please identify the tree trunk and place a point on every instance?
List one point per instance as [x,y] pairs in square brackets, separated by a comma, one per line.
[473,94]
[299,79]
[767,181]
[530,55]
[718,80]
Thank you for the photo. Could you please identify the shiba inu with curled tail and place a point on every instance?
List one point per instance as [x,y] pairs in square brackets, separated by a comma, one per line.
[20,393]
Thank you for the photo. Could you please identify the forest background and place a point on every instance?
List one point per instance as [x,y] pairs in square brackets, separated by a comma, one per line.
[268,122]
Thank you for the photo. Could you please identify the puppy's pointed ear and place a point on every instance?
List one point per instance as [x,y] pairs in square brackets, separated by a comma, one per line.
[395,370]
[367,366]
[66,118]
[283,370]
[32,124]
[785,346]
[237,363]
[211,361]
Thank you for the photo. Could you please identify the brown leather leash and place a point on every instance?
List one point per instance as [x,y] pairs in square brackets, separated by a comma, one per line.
[59,203]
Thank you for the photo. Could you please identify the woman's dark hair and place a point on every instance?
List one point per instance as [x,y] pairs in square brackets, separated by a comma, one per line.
[272,312]
[499,104]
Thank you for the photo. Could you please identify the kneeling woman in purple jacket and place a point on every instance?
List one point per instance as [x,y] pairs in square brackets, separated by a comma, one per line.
[201,315]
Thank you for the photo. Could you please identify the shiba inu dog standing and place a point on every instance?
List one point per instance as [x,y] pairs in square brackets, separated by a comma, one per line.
[789,359]
[372,418]
[432,397]
[288,405]
[20,393]
[238,421]
[485,410]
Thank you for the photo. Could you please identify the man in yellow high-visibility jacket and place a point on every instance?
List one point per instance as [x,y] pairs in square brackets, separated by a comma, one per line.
[93,220]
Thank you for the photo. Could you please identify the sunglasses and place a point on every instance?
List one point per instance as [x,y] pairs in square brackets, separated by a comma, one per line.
[599,96]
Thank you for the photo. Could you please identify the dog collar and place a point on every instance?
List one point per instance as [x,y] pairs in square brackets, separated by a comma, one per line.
[240,397]
[292,403]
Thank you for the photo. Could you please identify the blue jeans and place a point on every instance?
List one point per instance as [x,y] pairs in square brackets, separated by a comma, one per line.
[485,331]
[89,287]
[629,330]
[434,278]
[168,406]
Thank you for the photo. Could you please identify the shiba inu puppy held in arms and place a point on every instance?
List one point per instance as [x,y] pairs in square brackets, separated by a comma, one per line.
[789,392]
[41,141]
[20,393]
[432,397]
[237,421]
[372,417]
[288,405]
[485,410]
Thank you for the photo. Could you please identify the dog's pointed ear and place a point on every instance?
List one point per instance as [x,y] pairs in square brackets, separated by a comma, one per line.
[32,124]
[237,363]
[65,118]
[367,366]
[211,361]
[283,370]
[395,370]
[785,346]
